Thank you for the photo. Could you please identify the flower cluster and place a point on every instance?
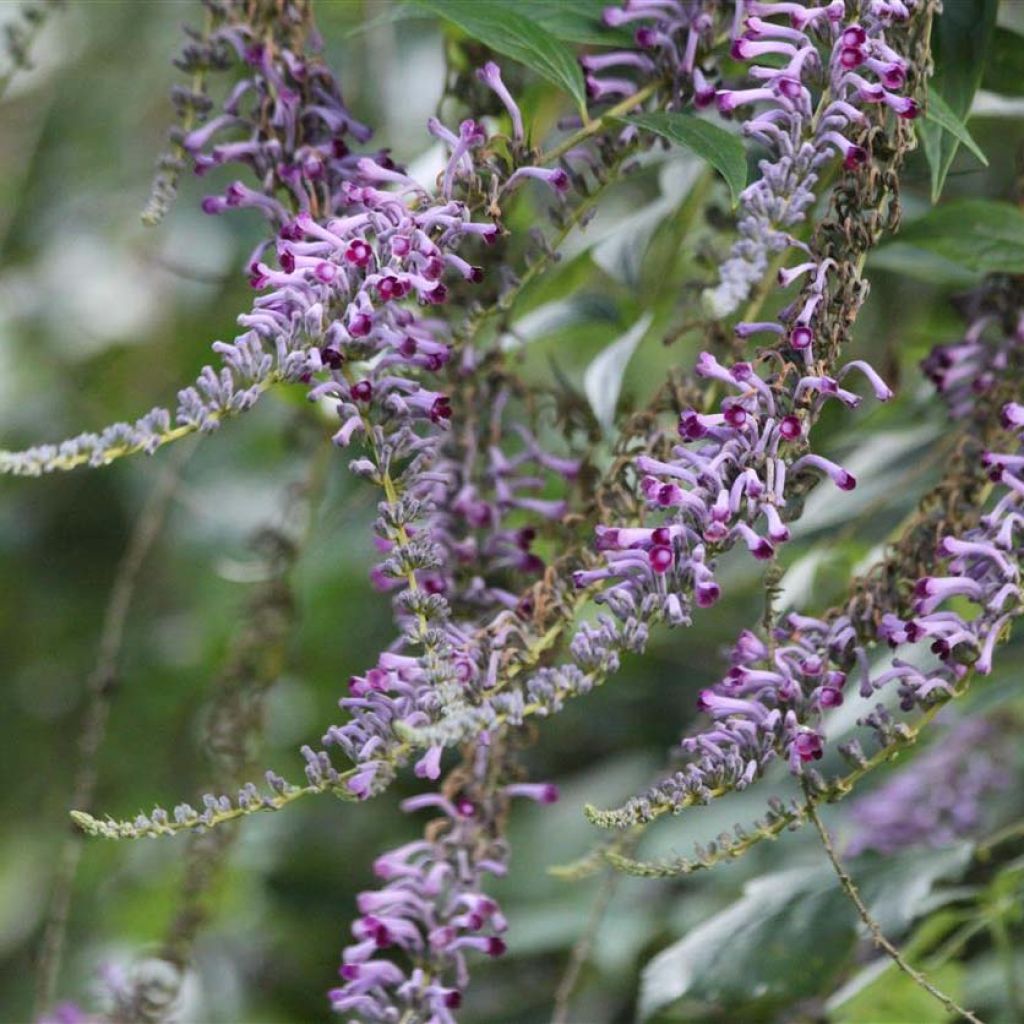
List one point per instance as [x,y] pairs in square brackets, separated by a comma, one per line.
[432,907]
[477,511]
[809,112]
[768,705]
[982,568]
[288,109]
[724,483]
[336,298]
[284,120]
[478,515]
[936,799]
[342,285]
[668,35]
[771,701]
[731,479]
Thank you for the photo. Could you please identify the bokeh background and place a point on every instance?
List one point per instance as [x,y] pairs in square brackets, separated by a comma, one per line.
[101,318]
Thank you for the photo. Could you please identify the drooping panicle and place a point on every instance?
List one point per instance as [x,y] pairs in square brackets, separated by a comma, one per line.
[417,934]
[834,61]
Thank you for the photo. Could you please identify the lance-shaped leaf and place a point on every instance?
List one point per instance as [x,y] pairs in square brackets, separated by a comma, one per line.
[961,41]
[507,29]
[939,113]
[979,234]
[723,150]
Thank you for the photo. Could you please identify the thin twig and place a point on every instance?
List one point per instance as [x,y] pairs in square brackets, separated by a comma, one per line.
[100,686]
[872,925]
[581,949]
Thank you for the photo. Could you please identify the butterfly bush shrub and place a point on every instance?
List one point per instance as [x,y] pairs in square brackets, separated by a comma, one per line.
[530,553]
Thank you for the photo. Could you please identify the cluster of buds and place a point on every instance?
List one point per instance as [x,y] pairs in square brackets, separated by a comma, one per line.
[809,113]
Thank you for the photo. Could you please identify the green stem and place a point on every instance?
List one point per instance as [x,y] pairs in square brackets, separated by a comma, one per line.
[101,687]
[873,927]
[599,124]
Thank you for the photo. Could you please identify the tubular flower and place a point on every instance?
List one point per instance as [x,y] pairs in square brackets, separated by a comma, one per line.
[808,112]
[344,292]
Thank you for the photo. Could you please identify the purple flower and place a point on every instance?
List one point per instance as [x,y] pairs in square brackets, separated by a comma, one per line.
[725,483]
[771,701]
[490,75]
[260,130]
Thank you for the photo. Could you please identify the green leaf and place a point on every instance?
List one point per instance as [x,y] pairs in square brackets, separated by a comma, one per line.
[961,39]
[980,234]
[575,21]
[501,27]
[920,265]
[1004,69]
[721,149]
[940,113]
[602,380]
[789,937]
